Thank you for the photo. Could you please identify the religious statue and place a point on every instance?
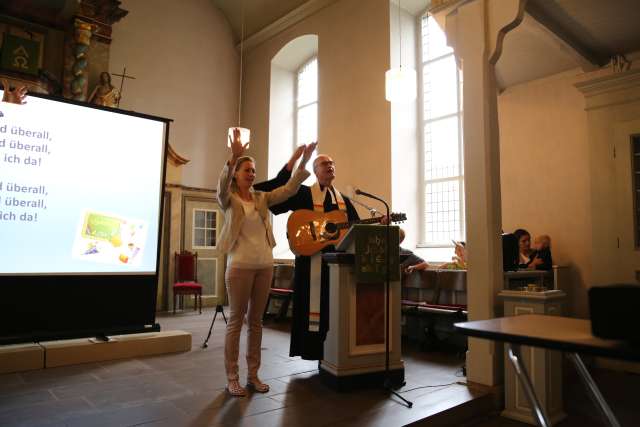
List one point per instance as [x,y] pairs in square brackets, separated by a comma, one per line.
[104,93]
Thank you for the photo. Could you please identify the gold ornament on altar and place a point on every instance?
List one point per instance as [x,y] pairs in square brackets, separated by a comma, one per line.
[105,93]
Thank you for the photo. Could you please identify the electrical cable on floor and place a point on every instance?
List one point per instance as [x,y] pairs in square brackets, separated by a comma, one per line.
[435,385]
[304,372]
[403,391]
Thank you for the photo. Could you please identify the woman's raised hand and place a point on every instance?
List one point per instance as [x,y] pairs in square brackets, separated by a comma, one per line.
[237,149]
[308,151]
[294,157]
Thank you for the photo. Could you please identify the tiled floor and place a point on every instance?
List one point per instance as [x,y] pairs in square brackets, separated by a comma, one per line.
[187,389]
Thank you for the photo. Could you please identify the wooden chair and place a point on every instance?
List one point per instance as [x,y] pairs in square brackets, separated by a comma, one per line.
[282,287]
[186,279]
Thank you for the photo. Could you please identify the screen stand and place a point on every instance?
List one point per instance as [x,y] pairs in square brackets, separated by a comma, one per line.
[218,310]
[102,337]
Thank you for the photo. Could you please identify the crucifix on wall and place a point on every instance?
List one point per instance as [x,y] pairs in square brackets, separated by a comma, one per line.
[122,76]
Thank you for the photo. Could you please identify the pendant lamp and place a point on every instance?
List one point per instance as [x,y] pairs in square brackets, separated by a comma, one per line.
[245,134]
[400,82]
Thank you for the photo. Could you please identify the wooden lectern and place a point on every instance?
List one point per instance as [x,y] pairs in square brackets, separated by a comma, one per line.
[354,350]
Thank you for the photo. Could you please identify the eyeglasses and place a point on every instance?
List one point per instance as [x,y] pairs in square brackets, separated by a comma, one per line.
[327,163]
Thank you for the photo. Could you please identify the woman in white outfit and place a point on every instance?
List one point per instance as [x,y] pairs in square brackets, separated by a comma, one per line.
[247,239]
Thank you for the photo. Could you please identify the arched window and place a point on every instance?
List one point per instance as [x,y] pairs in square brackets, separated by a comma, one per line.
[293,114]
[443,168]
[306,115]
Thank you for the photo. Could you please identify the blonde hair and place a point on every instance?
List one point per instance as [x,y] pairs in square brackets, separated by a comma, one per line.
[544,240]
[239,162]
[243,159]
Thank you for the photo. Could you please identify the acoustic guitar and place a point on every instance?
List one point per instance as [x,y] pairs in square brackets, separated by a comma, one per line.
[309,231]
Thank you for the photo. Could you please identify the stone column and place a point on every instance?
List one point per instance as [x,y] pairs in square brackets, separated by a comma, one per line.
[475,31]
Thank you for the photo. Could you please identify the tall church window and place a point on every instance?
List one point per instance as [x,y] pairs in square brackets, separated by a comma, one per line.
[293,115]
[443,166]
[306,110]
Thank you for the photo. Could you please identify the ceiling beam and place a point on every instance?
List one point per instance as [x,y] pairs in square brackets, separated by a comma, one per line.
[298,14]
[586,57]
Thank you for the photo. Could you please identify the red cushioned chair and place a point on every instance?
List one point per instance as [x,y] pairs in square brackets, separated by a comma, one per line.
[186,276]
[281,288]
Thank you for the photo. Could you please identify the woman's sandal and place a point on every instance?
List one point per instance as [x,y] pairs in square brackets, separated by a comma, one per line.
[257,385]
[235,389]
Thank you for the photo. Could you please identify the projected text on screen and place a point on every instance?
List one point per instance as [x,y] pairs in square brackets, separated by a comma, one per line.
[80,189]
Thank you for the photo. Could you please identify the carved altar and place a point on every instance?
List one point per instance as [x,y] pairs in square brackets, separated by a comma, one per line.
[60,48]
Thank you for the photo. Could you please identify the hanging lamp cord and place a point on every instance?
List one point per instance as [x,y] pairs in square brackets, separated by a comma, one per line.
[400,31]
[241,55]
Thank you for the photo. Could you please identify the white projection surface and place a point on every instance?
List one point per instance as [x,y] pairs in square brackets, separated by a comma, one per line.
[80,189]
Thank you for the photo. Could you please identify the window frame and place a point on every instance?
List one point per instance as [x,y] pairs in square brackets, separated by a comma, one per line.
[423,121]
[296,107]
[205,228]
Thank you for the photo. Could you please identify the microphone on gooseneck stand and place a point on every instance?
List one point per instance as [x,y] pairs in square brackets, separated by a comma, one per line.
[363,193]
[372,211]
[388,386]
[351,194]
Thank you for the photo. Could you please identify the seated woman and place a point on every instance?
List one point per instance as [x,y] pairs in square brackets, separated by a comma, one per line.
[538,258]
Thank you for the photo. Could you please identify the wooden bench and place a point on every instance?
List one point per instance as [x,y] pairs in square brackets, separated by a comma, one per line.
[431,298]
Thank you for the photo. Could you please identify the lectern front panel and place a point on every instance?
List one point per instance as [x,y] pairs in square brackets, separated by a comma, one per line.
[369,313]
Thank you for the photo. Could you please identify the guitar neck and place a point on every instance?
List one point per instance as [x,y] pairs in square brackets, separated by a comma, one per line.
[343,225]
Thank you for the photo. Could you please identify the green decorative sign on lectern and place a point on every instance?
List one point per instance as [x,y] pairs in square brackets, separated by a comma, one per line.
[370,251]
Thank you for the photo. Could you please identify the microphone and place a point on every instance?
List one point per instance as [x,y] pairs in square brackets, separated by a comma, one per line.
[351,193]
[364,193]
[371,196]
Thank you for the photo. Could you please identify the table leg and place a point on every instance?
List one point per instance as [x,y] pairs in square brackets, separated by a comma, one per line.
[594,392]
[513,350]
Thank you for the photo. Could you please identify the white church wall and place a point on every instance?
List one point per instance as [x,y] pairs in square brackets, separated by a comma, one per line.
[186,67]
[545,172]
[354,118]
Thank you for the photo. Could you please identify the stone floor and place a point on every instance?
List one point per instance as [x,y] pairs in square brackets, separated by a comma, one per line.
[621,390]
[187,389]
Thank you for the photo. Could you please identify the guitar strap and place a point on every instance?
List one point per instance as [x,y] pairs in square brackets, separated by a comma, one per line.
[315,274]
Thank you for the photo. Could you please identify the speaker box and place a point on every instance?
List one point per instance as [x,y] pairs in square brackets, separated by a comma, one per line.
[614,311]
[510,252]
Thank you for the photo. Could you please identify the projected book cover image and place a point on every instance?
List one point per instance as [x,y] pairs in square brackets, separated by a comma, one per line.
[109,239]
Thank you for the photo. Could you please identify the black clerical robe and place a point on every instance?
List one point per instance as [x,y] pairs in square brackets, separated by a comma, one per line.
[307,344]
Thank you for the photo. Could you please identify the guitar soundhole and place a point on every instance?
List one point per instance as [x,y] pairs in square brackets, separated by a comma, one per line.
[330,227]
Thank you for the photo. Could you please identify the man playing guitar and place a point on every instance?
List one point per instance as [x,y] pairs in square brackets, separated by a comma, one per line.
[311,296]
